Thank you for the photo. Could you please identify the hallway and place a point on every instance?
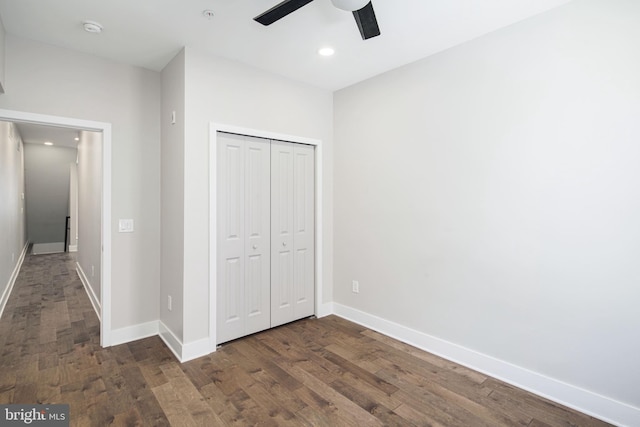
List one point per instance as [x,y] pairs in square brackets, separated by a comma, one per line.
[324,372]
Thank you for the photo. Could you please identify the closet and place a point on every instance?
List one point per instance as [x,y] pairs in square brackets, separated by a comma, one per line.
[266,234]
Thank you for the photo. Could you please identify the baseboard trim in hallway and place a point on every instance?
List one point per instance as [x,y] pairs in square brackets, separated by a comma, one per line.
[12,279]
[95,301]
[47,248]
[134,333]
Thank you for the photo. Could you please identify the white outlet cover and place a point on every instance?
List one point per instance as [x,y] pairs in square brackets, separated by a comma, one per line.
[125,226]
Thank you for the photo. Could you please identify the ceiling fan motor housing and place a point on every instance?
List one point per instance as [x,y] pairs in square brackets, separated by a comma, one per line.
[350,5]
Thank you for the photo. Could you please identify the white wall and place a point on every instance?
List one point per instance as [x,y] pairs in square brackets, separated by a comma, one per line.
[489,196]
[73,206]
[227,92]
[12,214]
[2,56]
[172,180]
[89,156]
[47,196]
[55,81]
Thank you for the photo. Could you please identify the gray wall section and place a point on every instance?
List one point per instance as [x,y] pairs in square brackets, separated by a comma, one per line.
[12,216]
[494,187]
[172,179]
[90,207]
[47,191]
[2,56]
[51,80]
[73,207]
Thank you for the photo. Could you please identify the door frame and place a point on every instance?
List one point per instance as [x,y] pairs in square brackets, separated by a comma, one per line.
[105,268]
[214,128]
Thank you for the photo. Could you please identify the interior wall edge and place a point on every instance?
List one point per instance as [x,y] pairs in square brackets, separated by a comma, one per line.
[587,402]
[12,279]
[170,339]
[184,352]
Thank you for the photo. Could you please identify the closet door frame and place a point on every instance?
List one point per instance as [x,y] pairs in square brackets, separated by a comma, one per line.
[214,128]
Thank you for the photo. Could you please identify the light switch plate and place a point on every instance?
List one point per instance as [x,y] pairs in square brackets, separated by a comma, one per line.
[125,226]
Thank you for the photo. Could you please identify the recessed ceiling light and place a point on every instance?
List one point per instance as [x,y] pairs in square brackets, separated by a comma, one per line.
[76,139]
[326,51]
[208,13]
[48,143]
[92,27]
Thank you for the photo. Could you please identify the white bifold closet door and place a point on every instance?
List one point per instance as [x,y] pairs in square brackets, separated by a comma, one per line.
[266,237]
[292,232]
[244,288]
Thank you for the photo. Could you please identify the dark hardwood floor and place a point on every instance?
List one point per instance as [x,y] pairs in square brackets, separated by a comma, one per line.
[325,372]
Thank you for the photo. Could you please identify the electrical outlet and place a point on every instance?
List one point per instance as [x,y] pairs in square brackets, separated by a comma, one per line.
[13,257]
[169,302]
[93,271]
[355,287]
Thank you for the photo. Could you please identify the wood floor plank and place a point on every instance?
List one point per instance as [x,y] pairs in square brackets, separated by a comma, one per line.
[470,374]
[360,373]
[189,396]
[176,413]
[433,406]
[418,418]
[347,408]
[129,418]
[258,357]
[542,410]
[466,405]
[269,406]
[314,372]
[222,406]
[281,386]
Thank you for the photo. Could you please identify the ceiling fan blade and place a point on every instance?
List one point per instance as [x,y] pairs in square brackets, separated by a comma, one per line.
[280,10]
[367,22]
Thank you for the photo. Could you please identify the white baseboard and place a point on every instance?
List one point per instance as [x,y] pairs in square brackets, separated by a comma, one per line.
[134,333]
[12,279]
[95,301]
[47,248]
[170,339]
[587,402]
[184,352]
[325,310]
[73,248]
[195,349]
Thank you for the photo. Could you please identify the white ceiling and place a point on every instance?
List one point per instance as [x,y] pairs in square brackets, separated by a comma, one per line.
[148,33]
[39,134]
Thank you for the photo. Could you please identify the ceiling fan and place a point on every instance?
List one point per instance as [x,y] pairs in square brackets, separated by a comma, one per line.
[362,12]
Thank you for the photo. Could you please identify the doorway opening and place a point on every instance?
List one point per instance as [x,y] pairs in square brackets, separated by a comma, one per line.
[92,129]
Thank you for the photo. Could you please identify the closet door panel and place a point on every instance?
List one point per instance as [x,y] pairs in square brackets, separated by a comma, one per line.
[266,234]
[231,237]
[282,230]
[258,230]
[304,231]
